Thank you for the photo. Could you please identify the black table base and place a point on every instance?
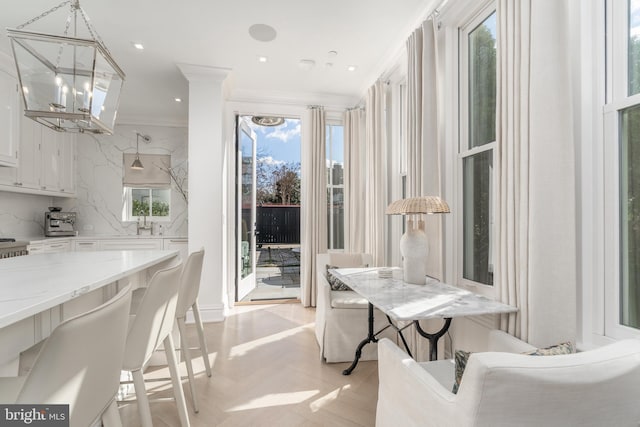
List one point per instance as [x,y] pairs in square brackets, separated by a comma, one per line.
[373,337]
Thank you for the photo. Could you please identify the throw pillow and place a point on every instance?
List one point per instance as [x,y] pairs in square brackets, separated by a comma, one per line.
[462,357]
[335,283]
[554,350]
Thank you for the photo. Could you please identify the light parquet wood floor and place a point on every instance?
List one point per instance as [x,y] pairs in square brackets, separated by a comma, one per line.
[267,372]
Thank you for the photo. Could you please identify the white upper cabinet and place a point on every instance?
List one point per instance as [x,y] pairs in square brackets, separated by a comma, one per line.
[46,162]
[9,120]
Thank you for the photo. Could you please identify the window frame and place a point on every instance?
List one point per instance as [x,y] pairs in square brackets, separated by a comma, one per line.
[464,151]
[617,100]
[127,206]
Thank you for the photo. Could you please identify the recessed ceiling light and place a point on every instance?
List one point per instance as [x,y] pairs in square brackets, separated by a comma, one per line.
[177,99]
[351,68]
[267,120]
[262,32]
[138,45]
[328,64]
[262,59]
[306,64]
[332,53]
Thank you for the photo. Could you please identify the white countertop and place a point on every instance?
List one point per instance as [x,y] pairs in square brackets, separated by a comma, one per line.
[405,301]
[34,283]
[85,237]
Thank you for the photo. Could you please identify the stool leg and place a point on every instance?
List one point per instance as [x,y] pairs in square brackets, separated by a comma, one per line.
[169,349]
[203,343]
[186,353]
[143,400]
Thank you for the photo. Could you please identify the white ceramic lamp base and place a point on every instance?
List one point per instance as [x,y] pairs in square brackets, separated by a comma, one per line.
[414,248]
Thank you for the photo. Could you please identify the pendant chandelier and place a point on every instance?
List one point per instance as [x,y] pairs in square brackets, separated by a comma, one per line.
[68,83]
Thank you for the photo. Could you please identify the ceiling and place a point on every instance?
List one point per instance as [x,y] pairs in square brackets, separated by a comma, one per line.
[364,33]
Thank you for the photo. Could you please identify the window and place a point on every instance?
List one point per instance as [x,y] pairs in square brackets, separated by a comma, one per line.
[622,170]
[154,203]
[147,191]
[335,186]
[477,146]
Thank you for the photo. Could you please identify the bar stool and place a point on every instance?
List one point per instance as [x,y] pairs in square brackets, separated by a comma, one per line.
[79,364]
[150,326]
[188,299]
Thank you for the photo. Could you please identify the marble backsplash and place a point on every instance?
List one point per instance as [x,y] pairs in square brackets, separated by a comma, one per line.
[22,215]
[99,200]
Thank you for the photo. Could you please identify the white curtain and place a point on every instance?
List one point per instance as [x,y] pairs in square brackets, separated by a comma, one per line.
[314,203]
[423,148]
[354,180]
[376,174]
[536,260]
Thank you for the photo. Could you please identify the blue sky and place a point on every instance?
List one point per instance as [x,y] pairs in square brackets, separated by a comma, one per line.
[282,144]
[278,144]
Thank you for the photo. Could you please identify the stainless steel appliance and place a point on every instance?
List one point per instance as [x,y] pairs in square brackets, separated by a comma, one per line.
[10,248]
[57,223]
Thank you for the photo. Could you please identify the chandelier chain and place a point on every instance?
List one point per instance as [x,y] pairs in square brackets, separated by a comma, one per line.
[75,6]
[66,31]
[43,14]
[92,31]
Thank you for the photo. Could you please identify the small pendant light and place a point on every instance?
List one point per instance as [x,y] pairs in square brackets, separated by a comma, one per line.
[137,164]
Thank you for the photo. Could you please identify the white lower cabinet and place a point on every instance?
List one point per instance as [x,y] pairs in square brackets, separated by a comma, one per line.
[58,245]
[130,244]
[85,245]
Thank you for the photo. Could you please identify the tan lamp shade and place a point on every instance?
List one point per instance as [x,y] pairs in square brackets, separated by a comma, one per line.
[418,205]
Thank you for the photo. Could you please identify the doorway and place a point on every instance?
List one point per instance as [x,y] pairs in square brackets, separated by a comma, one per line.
[268,209]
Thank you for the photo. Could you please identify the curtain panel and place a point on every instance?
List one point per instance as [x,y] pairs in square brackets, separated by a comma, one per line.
[423,145]
[376,174]
[354,180]
[536,260]
[314,204]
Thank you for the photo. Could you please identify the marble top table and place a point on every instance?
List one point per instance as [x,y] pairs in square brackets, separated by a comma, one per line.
[34,283]
[402,301]
[405,301]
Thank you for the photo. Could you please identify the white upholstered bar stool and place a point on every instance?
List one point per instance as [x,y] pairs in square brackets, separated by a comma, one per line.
[188,299]
[79,364]
[150,326]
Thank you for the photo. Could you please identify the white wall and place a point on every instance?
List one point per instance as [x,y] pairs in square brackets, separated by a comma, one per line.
[99,178]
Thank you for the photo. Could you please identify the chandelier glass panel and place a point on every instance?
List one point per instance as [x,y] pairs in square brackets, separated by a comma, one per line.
[68,83]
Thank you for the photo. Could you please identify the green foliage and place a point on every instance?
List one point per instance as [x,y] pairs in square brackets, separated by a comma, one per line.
[140,208]
[278,184]
[634,65]
[482,130]
[630,212]
[158,208]
[482,87]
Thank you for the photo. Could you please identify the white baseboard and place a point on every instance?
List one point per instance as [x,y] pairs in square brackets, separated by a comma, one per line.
[210,313]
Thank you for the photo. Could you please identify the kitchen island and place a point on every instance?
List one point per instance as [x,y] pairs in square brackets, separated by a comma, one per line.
[39,291]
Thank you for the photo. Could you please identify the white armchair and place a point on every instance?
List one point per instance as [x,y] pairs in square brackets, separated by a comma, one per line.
[592,388]
[341,316]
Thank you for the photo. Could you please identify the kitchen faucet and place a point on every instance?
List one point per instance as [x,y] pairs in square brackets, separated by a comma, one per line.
[144,226]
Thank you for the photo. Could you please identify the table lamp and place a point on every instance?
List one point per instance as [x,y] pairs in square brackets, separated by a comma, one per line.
[414,246]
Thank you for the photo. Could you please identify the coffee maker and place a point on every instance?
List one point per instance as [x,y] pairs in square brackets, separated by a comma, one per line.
[57,223]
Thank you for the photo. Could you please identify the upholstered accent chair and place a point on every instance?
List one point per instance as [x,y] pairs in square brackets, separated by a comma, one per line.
[503,388]
[341,316]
